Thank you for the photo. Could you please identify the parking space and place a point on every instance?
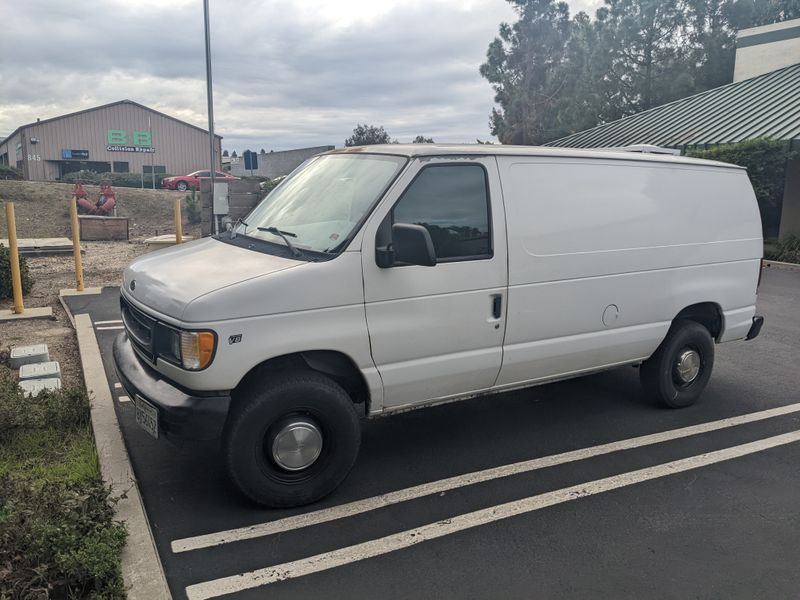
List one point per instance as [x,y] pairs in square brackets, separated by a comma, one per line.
[576,489]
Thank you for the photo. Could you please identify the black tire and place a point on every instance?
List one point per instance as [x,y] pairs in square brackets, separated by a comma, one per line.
[182,186]
[659,374]
[252,427]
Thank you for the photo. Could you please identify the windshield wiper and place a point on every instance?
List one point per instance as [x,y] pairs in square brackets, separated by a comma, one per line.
[285,235]
[239,221]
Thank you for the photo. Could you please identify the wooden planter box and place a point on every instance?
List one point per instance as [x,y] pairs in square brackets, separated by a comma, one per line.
[95,228]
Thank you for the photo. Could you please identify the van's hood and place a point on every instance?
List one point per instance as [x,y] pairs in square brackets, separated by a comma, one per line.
[168,280]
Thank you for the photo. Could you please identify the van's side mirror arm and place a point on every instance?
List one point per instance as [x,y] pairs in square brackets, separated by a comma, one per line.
[384,256]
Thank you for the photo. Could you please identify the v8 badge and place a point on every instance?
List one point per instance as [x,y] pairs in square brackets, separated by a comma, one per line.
[234,339]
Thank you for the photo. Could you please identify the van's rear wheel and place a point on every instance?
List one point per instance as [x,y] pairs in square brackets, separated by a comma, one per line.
[293,440]
[680,368]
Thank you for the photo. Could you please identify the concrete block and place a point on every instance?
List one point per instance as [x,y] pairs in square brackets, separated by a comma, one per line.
[25,355]
[44,312]
[43,370]
[32,387]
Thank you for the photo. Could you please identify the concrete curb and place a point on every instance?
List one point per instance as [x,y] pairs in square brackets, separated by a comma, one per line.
[73,292]
[141,567]
[781,265]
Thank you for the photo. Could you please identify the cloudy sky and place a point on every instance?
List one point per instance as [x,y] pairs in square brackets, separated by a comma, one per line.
[287,73]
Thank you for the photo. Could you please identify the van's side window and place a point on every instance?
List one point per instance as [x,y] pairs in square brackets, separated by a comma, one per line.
[452,203]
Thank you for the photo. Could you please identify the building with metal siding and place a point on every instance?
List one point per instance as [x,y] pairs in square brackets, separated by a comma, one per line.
[122,136]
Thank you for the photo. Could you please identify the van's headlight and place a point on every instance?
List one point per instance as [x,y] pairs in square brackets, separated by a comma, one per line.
[193,350]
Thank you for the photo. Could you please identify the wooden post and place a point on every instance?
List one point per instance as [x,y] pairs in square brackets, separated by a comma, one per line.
[13,250]
[76,244]
[178,222]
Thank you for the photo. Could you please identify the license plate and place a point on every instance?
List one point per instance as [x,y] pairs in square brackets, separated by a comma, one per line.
[147,416]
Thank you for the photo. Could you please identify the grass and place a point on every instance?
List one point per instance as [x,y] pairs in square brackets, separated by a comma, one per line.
[49,455]
[58,537]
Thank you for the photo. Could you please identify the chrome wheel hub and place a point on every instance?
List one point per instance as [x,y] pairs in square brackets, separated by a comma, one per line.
[297,445]
[687,367]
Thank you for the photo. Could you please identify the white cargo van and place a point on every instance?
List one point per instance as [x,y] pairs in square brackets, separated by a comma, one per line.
[382,278]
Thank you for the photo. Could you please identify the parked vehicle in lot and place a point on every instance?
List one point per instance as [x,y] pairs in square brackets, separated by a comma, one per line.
[383,278]
[192,180]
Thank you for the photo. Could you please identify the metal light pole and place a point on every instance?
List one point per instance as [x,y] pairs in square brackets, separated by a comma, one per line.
[210,93]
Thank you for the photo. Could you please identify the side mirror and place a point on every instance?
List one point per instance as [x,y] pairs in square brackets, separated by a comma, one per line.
[412,244]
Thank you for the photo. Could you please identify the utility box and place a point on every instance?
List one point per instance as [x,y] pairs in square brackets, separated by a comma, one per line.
[221,198]
[25,355]
[43,370]
[32,387]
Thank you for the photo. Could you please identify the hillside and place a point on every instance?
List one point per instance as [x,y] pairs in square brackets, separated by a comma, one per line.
[42,209]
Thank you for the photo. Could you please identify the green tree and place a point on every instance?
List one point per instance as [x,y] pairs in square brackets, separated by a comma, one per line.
[523,64]
[367,135]
[233,154]
[713,42]
[750,13]
[225,153]
[422,140]
[648,62]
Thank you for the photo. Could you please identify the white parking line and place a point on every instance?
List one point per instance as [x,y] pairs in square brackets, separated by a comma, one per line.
[109,328]
[114,322]
[124,399]
[443,485]
[405,539]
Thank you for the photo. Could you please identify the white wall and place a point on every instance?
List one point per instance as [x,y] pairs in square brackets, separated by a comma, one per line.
[767,52]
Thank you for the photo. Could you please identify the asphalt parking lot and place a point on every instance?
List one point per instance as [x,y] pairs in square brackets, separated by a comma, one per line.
[546,492]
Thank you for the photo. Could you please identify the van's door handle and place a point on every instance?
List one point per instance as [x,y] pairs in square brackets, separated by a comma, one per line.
[497,306]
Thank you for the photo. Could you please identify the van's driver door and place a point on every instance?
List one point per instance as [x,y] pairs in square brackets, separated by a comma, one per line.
[437,331]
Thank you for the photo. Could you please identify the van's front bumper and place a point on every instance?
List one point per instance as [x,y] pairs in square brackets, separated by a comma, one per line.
[181,414]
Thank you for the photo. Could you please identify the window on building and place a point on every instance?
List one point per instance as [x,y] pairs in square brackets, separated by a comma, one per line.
[147,169]
[452,203]
[4,158]
[121,167]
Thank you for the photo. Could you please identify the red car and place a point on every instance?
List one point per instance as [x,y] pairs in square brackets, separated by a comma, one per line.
[192,180]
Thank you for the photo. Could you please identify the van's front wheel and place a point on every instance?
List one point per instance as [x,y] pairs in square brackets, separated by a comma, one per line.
[680,368]
[292,441]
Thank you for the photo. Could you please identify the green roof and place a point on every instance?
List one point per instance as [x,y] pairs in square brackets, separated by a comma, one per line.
[765,106]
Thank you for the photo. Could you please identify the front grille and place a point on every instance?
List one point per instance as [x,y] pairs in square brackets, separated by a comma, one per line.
[140,329]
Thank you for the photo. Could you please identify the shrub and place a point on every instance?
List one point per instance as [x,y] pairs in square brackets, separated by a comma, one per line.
[117,179]
[785,250]
[64,409]
[59,541]
[5,274]
[9,172]
[193,213]
[765,161]
[58,537]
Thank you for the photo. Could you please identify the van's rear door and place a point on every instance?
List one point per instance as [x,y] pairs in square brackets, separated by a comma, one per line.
[438,331]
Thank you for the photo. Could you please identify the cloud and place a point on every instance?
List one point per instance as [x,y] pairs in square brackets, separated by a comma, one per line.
[286,74]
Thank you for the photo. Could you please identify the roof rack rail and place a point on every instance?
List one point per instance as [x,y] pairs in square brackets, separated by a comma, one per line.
[645,149]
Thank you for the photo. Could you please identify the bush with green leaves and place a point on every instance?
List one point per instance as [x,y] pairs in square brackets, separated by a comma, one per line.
[9,172]
[6,290]
[787,249]
[192,203]
[765,161]
[59,541]
[65,409]
[58,536]
[117,179]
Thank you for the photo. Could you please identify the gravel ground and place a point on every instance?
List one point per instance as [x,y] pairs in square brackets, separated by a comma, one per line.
[103,264]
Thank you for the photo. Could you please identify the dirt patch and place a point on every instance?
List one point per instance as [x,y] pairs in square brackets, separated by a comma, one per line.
[103,265]
[42,209]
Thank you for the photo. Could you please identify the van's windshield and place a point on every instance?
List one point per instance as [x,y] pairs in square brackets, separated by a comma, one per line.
[320,205]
